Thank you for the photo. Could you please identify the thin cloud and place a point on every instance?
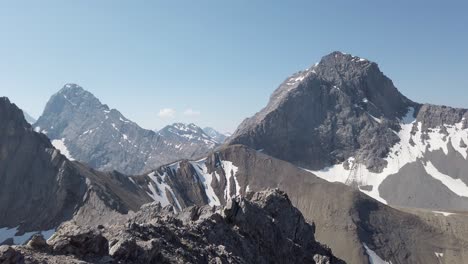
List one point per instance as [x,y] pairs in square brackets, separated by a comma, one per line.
[191,112]
[167,113]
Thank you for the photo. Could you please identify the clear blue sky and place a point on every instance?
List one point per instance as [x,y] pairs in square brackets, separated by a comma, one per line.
[222,59]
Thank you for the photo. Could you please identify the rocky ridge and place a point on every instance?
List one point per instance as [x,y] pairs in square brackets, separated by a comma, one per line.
[256,228]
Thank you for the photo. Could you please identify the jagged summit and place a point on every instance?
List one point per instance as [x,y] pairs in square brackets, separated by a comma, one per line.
[74,96]
[187,132]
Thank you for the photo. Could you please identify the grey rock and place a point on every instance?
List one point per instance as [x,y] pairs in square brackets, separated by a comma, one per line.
[432,116]
[37,241]
[9,255]
[80,242]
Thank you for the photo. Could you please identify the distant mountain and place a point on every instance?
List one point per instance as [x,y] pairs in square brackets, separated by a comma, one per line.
[41,189]
[218,136]
[345,121]
[89,131]
[29,118]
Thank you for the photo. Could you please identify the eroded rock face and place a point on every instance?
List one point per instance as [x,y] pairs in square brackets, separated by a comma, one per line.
[264,227]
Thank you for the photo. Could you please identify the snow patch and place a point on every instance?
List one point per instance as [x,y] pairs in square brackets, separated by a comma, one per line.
[455,185]
[374,258]
[230,171]
[6,233]
[60,145]
[443,213]
[206,178]
[159,190]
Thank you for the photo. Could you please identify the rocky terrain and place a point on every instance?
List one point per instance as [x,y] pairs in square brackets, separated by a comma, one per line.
[345,121]
[357,228]
[89,131]
[256,228]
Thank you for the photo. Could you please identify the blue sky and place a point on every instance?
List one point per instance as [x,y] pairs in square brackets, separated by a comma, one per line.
[216,62]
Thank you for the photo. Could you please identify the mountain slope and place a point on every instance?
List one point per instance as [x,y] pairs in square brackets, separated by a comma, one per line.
[351,223]
[345,121]
[75,120]
[41,189]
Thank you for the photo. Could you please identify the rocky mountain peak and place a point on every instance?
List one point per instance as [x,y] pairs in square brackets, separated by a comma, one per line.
[336,109]
[362,81]
[74,96]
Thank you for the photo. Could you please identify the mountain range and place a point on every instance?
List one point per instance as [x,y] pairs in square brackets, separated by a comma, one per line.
[345,121]
[86,130]
[375,177]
